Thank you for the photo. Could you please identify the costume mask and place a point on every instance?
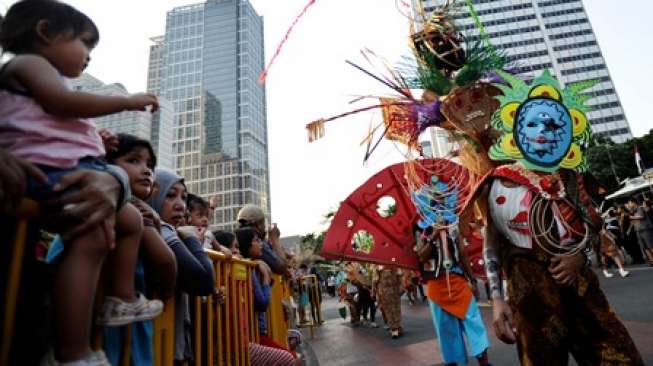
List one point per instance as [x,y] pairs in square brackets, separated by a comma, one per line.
[544,126]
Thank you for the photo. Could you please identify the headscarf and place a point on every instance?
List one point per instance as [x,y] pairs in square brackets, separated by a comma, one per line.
[164,180]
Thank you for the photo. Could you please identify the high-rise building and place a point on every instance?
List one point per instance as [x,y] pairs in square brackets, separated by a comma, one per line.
[138,123]
[442,145]
[207,64]
[555,35]
[155,65]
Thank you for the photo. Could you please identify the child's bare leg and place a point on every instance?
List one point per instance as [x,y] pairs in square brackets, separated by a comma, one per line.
[122,260]
[74,291]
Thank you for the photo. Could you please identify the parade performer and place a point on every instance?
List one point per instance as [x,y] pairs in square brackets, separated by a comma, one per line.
[448,276]
[539,224]
[388,289]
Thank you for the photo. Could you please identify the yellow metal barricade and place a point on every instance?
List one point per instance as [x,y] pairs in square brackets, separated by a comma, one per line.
[27,210]
[163,339]
[277,324]
[223,332]
[312,287]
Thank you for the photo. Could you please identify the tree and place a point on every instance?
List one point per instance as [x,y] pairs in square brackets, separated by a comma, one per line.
[610,162]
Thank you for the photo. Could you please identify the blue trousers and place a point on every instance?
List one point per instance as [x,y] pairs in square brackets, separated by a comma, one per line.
[451,330]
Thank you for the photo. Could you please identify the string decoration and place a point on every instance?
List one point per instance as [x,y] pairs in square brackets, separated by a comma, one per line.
[265,72]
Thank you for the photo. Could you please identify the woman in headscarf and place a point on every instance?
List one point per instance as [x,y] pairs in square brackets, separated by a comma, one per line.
[194,268]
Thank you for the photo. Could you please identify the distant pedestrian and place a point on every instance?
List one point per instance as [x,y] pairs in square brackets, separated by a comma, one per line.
[643,227]
[331,285]
[628,236]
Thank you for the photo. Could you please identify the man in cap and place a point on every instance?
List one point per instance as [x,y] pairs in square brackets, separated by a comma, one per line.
[273,254]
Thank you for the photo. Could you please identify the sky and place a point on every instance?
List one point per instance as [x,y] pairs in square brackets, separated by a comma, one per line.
[310,80]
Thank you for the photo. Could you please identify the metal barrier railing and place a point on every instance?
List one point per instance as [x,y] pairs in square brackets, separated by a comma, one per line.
[277,324]
[223,332]
[311,285]
[27,210]
[163,338]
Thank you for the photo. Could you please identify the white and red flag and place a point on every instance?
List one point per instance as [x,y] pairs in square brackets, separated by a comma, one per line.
[638,161]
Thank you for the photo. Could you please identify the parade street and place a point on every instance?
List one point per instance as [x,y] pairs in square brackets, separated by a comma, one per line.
[337,343]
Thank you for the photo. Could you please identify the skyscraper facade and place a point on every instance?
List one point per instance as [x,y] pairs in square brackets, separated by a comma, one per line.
[555,35]
[137,123]
[207,64]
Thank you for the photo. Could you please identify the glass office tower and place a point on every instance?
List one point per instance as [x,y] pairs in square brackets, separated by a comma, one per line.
[207,64]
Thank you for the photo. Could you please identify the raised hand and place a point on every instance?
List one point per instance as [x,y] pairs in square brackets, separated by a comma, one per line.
[140,102]
[109,139]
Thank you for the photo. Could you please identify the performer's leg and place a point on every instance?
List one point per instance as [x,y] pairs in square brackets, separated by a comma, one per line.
[373,311]
[474,329]
[538,313]
[449,331]
[420,288]
[597,336]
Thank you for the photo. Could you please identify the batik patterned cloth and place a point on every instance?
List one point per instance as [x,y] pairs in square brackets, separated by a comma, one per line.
[389,297]
[553,321]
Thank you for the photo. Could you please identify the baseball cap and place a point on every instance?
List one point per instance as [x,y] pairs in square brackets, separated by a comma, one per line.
[250,214]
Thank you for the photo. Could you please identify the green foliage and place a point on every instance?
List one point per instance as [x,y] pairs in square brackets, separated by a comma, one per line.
[481,60]
[429,77]
[311,243]
[623,159]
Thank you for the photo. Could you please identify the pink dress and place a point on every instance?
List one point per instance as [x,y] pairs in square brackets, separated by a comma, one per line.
[29,132]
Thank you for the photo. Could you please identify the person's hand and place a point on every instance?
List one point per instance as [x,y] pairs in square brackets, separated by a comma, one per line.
[502,321]
[220,295]
[140,102]
[265,270]
[273,233]
[564,269]
[226,251]
[213,202]
[93,203]
[109,139]
[147,212]
[13,180]
[186,232]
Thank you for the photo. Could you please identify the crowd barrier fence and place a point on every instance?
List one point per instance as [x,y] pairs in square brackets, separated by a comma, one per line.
[222,331]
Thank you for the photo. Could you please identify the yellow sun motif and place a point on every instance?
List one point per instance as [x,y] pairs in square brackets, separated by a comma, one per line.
[544,91]
[509,146]
[579,121]
[508,113]
[573,159]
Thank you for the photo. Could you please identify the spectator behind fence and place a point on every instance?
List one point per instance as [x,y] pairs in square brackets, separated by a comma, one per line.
[271,353]
[44,122]
[96,200]
[273,254]
[156,271]
[194,269]
[199,216]
[227,240]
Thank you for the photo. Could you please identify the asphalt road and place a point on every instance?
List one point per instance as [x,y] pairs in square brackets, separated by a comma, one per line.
[337,343]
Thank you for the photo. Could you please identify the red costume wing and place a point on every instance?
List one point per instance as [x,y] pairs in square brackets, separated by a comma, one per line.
[360,230]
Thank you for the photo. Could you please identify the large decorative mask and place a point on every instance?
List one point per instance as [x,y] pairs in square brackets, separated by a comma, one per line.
[544,126]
